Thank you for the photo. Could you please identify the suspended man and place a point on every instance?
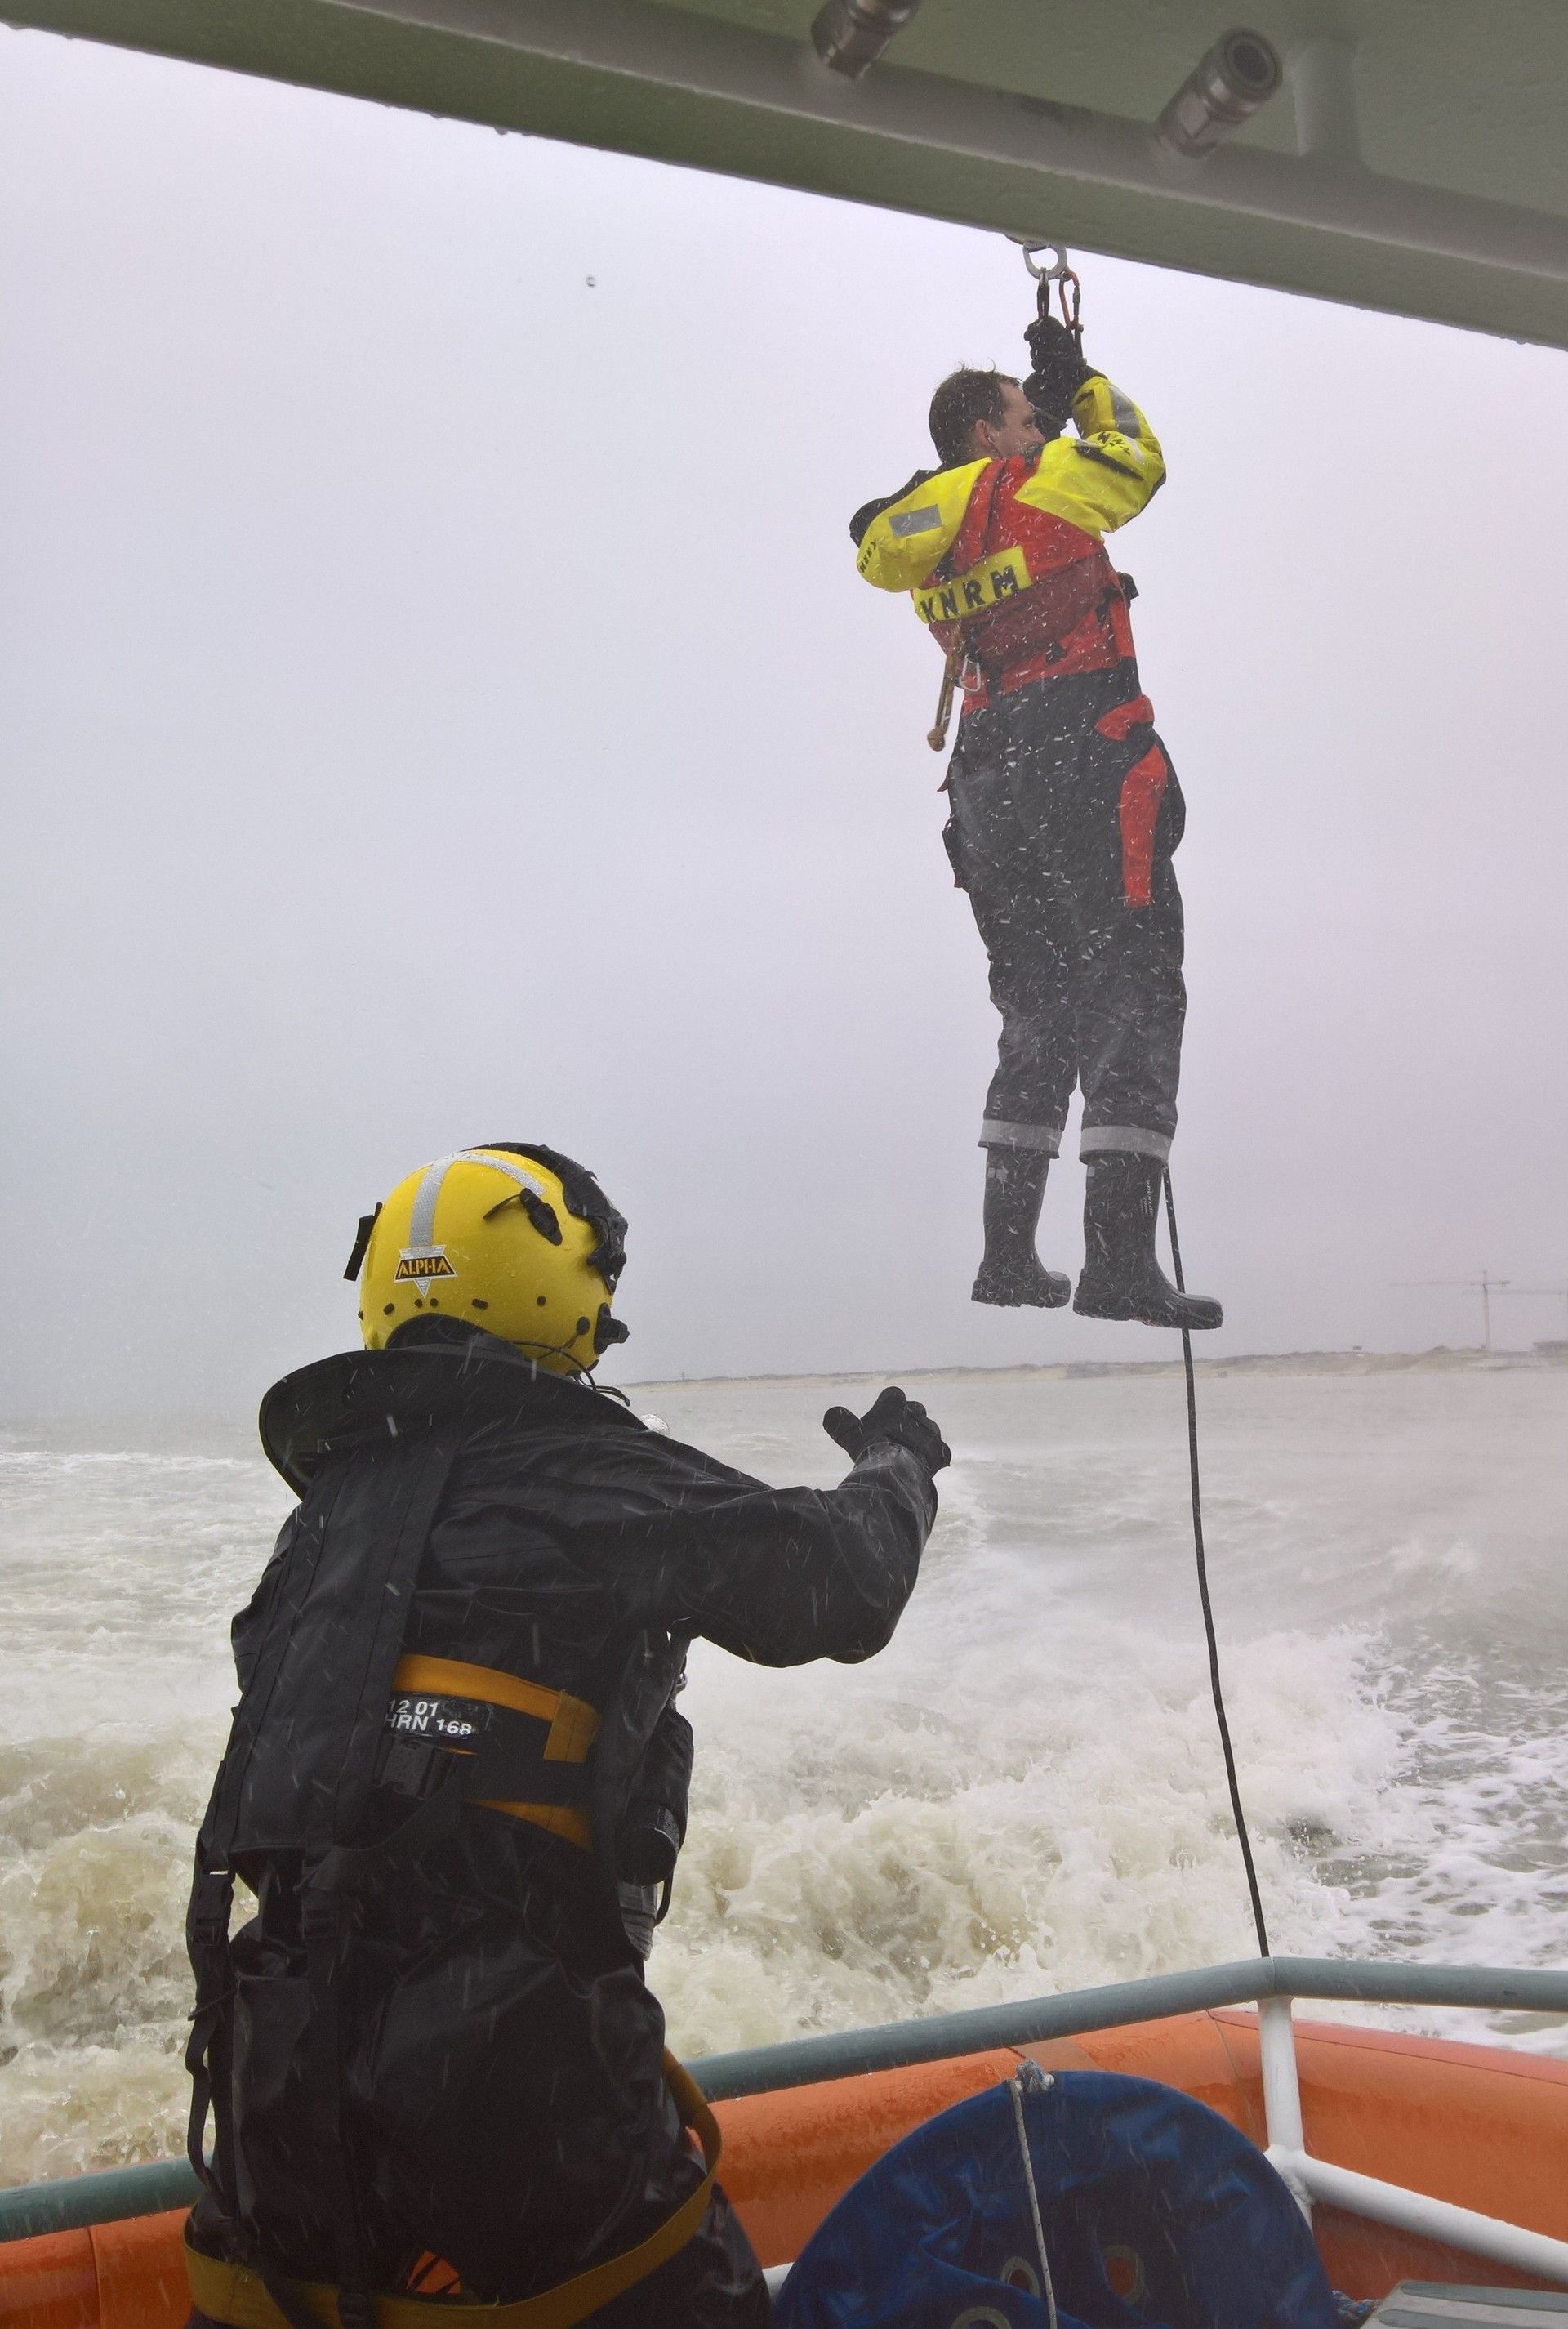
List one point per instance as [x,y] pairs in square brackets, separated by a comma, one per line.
[456,1781]
[1065,808]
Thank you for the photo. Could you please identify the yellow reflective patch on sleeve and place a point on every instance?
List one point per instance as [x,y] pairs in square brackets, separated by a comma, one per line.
[911,536]
[985,585]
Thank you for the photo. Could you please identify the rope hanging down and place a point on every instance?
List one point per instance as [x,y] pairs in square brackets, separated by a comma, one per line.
[1049,264]
[1242,1838]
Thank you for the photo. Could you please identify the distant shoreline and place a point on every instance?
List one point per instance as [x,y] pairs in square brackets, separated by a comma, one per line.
[190,1431]
[1541,1358]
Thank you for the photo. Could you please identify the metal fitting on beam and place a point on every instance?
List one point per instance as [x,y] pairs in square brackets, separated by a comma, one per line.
[1240,73]
[849,35]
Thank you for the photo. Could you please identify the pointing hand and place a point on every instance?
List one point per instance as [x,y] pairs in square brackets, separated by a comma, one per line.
[892,1420]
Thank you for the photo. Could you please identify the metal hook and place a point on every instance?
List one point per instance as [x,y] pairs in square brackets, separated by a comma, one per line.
[1060,265]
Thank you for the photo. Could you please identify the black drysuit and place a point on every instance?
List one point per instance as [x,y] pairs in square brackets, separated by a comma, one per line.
[1087,978]
[501,2095]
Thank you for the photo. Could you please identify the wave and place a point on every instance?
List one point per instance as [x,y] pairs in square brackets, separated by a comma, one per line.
[1023,1794]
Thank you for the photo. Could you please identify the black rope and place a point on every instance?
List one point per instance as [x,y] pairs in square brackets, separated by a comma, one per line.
[1242,1838]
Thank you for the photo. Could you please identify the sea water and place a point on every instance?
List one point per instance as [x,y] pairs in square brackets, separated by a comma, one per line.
[1024,1793]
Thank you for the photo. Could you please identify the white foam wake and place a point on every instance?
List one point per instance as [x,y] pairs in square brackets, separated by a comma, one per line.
[1024,1793]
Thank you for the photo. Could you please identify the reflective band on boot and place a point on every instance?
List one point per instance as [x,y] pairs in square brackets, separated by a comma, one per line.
[232,2293]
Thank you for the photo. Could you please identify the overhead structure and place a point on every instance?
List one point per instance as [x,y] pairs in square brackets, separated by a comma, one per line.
[1415,158]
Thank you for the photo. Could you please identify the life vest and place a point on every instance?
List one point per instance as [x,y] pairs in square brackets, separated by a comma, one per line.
[358,1758]
[1003,558]
[1021,594]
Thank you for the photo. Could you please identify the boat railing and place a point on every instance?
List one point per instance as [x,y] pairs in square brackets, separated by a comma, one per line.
[1269,1983]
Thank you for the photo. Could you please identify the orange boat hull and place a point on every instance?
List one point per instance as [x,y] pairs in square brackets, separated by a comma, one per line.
[1478,2125]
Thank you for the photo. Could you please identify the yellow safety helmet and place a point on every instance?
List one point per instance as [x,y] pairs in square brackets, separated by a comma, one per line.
[510,1237]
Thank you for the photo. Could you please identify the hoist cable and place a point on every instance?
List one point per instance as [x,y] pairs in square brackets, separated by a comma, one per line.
[1242,1837]
[1070,299]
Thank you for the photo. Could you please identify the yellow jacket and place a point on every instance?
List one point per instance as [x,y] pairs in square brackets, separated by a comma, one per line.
[1094,482]
[1006,556]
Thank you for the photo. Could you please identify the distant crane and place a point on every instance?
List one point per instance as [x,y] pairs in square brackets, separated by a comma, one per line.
[1486,1286]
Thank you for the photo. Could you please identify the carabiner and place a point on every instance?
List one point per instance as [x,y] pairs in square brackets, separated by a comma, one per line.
[1059,266]
[1062,273]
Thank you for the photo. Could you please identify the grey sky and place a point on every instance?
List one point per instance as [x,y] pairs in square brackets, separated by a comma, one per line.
[440,705]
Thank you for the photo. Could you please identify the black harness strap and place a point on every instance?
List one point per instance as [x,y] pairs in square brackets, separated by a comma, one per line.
[329,1880]
[321,1928]
[327,1907]
[331,1868]
[209,2051]
[502,1760]
[394,1602]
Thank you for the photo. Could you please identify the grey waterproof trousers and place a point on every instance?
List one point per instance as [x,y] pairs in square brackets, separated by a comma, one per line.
[1065,812]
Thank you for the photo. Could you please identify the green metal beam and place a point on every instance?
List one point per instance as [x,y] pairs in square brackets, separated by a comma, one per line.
[716,89]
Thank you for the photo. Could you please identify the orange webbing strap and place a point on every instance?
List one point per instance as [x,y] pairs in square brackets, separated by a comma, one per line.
[233,2293]
[574,1725]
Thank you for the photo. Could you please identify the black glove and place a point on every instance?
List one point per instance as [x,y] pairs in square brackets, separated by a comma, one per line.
[1059,371]
[892,1421]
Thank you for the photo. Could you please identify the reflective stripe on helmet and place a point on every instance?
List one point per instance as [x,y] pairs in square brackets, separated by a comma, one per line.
[422,1220]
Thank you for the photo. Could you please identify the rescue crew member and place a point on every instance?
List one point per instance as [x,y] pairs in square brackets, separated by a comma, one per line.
[456,1786]
[1065,808]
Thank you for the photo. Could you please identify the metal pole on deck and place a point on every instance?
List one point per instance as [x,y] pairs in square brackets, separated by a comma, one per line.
[1282,2095]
